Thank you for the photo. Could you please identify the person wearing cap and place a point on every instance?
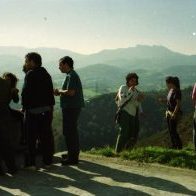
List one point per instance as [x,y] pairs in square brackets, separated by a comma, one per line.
[129,116]
[194,117]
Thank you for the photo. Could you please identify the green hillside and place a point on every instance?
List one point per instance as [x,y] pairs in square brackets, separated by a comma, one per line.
[97,127]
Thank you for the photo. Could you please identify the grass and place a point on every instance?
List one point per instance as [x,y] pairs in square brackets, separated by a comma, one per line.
[185,158]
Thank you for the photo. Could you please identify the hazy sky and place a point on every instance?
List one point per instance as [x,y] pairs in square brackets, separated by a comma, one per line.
[88,26]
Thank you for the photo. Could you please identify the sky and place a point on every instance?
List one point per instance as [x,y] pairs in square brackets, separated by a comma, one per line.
[89,26]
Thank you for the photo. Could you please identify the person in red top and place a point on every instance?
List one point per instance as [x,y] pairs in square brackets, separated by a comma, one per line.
[194,118]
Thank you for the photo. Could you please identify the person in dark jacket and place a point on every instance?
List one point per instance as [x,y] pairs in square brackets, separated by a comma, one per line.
[37,102]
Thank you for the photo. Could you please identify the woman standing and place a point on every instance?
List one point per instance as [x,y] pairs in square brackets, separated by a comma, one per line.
[128,101]
[173,112]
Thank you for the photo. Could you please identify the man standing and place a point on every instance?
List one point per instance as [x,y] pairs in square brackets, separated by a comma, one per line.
[37,102]
[194,118]
[71,101]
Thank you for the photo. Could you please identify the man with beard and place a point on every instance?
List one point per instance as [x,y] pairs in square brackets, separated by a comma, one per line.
[38,102]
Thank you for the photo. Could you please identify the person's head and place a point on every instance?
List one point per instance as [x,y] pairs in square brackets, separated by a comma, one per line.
[32,61]
[173,82]
[169,82]
[176,83]
[132,79]
[66,64]
[12,78]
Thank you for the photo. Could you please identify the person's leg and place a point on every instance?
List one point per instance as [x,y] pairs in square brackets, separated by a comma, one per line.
[70,120]
[194,130]
[133,131]
[31,126]
[46,137]
[19,116]
[177,143]
[7,151]
[8,155]
[123,134]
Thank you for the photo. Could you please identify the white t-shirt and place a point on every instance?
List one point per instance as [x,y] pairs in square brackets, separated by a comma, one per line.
[125,94]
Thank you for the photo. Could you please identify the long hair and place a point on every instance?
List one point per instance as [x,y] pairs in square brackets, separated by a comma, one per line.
[176,82]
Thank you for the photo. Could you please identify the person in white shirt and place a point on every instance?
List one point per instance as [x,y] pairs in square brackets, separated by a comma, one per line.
[129,114]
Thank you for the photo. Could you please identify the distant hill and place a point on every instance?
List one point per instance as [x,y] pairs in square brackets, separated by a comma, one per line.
[152,63]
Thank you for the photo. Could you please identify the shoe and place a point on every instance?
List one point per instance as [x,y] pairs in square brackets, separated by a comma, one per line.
[64,156]
[69,162]
[12,171]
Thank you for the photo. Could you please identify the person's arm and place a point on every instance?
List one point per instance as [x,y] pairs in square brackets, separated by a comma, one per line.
[177,108]
[194,95]
[70,88]
[70,92]
[15,96]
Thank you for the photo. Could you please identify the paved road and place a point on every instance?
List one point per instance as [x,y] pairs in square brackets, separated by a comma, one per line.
[101,176]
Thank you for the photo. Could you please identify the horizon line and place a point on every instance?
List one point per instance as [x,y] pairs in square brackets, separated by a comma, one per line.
[99,51]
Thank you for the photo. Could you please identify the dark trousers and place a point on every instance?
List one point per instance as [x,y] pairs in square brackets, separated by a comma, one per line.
[128,131]
[175,138]
[70,131]
[7,141]
[194,130]
[19,116]
[39,128]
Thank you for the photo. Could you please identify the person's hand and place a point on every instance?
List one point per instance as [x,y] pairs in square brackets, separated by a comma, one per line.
[173,116]
[56,92]
[140,97]
[21,110]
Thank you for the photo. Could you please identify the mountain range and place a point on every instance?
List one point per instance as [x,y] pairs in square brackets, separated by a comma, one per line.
[106,70]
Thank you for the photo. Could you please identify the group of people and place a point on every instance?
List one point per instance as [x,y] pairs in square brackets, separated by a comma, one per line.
[34,119]
[129,102]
